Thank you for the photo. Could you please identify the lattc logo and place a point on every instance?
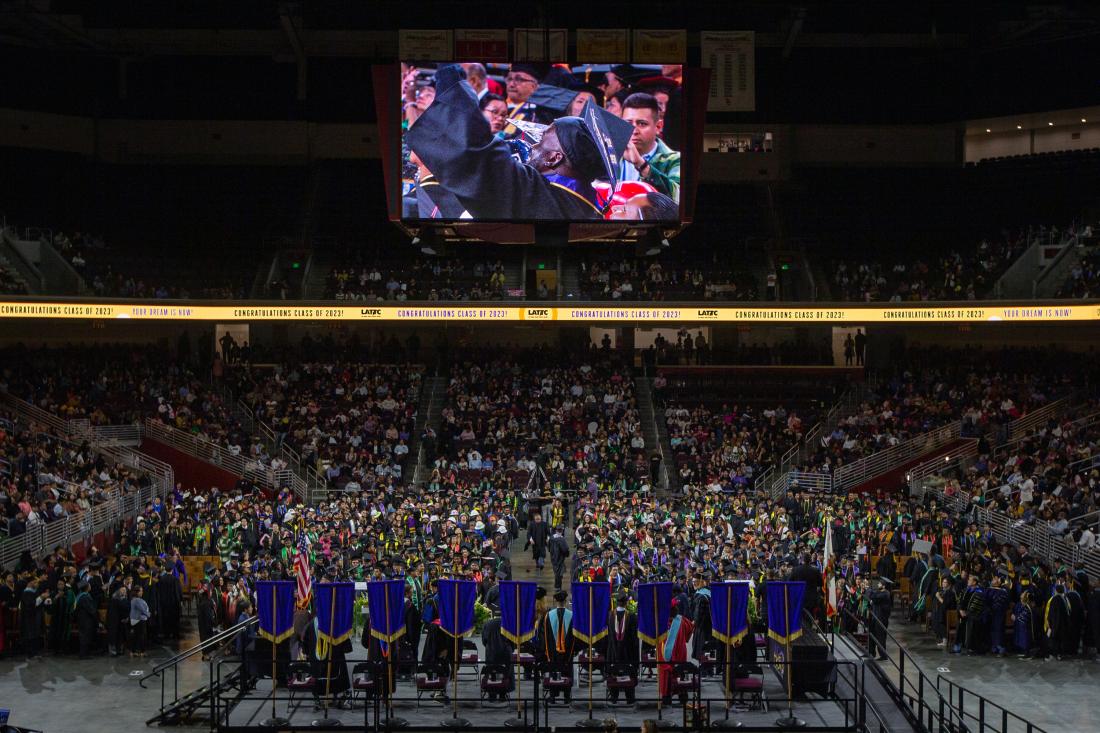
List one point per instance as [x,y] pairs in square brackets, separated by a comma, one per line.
[707,314]
[538,314]
[370,312]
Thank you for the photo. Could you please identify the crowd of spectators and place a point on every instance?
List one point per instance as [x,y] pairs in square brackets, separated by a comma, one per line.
[574,417]
[423,279]
[630,279]
[571,418]
[46,478]
[10,283]
[953,275]
[1084,278]
[986,390]
[351,421]
[1049,478]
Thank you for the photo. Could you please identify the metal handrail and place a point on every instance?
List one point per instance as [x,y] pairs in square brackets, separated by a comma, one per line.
[933,709]
[210,452]
[1004,714]
[213,642]
[884,461]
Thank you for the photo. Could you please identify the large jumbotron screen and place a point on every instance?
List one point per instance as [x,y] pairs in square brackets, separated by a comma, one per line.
[541,142]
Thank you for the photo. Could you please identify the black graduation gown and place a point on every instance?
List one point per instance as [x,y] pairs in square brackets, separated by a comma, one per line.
[31,620]
[1058,622]
[1076,620]
[700,616]
[1093,614]
[435,202]
[207,618]
[560,649]
[340,681]
[536,538]
[411,640]
[169,599]
[438,646]
[87,621]
[455,143]
[118,621]
[374,654]
[498,650]
[622,647]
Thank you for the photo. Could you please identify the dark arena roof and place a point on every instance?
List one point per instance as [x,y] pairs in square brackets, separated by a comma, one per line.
[549,366]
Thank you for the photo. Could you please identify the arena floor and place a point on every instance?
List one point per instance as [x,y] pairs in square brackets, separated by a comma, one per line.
[1058,696]
[65,694]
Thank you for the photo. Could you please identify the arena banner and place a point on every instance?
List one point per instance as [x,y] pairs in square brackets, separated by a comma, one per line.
[603,45]
[30,308]
[731,58]
[539,44]
[663,46]
[425,43]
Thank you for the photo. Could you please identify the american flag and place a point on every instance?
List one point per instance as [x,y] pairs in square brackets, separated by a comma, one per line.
[301,568]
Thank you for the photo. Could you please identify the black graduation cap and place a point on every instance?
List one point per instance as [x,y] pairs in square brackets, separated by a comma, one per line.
[612,135]
[531,69]
[627,73]
[652,84]
[554,98]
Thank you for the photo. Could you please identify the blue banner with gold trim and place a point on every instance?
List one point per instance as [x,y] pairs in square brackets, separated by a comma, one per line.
[386,602]
[729,611]
[654,608]
[335,604]
[517,610]
[591,606]
[275,608]
[784,600]
[456,606]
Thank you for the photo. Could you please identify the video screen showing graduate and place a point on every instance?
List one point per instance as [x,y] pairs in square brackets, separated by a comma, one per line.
[533,142]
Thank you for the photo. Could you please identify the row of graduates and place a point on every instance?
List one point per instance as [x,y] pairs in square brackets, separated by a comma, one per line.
[61,606]
[1028,615]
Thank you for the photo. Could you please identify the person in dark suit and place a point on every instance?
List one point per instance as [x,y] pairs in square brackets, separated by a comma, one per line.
[807,572]
[559,551]
[118,621]
[32,618]
[622,642]
[536,540]
[455,142]
[498,651]
[559,644]
[169,599]
[87,619]
[207,617]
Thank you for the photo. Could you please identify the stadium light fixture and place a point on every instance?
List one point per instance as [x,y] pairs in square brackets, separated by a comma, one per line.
[1050,124]
[1019,127]
[1083,120]
[988,130]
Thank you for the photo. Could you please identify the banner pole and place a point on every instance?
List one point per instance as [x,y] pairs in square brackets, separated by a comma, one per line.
[790,721]
[657,651]
[331,644]
[729,646]
[454,661]
[274,721]
[519,702]
[389,655]
[274,627]
[590,599]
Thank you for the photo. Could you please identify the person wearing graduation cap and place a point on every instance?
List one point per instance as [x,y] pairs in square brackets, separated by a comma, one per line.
[559,644]
[622,642]
[521,82]
[455,142]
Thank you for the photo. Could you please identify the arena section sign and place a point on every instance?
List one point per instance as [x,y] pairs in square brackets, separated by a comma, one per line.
[574,314]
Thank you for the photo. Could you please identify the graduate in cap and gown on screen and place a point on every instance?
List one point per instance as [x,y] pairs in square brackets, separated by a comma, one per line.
[554,181]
